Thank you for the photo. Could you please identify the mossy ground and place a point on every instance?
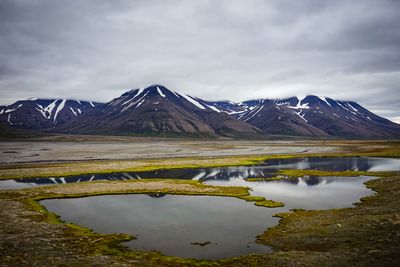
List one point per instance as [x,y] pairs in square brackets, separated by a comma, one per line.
[368,234]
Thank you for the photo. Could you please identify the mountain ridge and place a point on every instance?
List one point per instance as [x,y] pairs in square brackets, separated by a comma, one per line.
[156,110]
[33,113]
[313,116]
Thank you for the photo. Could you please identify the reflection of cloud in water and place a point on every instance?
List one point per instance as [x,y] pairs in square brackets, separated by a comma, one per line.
[387,165]
[329,192]
[12,184]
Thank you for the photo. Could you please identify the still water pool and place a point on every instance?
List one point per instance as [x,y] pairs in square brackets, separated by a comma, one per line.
[176,225]
[265,169]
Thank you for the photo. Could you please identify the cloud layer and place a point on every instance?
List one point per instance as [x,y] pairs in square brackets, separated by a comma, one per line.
[215,50]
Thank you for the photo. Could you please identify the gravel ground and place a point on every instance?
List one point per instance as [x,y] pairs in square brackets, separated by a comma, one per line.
[73,149]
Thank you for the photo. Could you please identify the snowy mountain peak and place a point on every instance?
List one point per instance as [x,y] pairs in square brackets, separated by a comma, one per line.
[137,97]
[157,109]
[33,113]
[311,116]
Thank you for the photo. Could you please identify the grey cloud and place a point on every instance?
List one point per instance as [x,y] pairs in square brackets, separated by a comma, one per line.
[212,49]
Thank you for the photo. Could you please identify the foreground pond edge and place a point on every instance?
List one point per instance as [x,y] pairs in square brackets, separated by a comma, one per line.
[110,244]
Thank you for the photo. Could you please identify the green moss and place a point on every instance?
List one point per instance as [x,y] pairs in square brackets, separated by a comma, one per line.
[269,204]
[253,198]
[262,201]
[275,178]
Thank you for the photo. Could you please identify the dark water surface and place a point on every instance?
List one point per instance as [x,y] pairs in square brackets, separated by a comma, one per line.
[265,169]
[172,224]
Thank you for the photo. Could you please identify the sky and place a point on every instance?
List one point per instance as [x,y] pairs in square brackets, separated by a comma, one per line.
[215,50]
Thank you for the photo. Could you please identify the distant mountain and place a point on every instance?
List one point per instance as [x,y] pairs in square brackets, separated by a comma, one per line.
[158,110]
[43,113]
[312,116]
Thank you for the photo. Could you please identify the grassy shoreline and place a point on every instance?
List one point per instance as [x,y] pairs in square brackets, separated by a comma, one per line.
[147,186]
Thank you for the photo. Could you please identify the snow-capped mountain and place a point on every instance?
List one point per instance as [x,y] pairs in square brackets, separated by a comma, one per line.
[158,110]
[43,113]
[313,116]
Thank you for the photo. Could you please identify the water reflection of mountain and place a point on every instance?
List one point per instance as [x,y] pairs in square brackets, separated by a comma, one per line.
[76,179]
[324,163]
[266,170]
[315,180]
[225,173]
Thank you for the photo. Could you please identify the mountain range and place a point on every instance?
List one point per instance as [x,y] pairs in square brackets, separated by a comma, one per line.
[156,110]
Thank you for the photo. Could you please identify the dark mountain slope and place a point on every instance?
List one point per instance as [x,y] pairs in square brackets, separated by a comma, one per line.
[38,114]
[314,116]
[157,110]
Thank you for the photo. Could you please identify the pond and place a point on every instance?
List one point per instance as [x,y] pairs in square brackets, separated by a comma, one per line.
[179,225]
[265,169]
[175,225]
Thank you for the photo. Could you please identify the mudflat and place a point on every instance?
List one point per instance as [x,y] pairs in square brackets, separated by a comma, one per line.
[73,148]
[80,148]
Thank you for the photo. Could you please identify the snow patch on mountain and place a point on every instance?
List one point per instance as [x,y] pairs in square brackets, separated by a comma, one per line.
[342,105]
[73,111]
[300,106]
[60,107]
[256,111]
[9,119]
[194,102]
[177,95]
[356,110]
[47,111]
[323,98]
[301,115]
[11,109]
[138,93]
[160,92]
[213,108]
[140,101]
[286,103]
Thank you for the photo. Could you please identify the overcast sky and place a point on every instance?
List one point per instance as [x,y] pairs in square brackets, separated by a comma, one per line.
[214,50]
